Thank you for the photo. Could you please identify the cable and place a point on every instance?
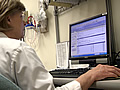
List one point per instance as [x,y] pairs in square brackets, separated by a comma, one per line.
[117,55]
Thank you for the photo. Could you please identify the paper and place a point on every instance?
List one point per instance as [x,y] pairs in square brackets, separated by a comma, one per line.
[62,54]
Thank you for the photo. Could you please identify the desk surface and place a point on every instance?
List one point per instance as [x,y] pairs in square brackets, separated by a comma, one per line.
[104,84]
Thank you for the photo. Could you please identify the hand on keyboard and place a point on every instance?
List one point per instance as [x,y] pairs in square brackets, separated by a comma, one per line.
[97,73]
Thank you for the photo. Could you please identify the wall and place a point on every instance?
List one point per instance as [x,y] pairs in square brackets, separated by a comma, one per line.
[77,13]
[47,41]
[116,22]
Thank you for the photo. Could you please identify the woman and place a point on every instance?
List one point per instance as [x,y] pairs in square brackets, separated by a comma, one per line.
[20,64]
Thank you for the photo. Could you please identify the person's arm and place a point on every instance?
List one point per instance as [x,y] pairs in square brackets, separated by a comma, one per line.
[30,74]
[97,73]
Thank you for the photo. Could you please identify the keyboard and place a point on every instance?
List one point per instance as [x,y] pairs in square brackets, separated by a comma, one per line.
[111,78]
[68,73]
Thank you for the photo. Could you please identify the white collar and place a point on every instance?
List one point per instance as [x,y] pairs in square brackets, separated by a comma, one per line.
[2,35]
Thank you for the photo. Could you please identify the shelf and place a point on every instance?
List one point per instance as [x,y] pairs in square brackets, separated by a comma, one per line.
[63,5]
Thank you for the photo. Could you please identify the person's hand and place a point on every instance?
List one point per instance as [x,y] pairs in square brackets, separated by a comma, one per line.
[104,71]
[97,73]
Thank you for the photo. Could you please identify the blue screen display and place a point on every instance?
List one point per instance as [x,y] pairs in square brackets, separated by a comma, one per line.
[88,38]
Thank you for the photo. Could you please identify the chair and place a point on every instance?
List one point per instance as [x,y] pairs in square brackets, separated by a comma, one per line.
[6,84]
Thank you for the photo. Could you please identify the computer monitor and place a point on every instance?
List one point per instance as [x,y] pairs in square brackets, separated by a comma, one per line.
[89,39]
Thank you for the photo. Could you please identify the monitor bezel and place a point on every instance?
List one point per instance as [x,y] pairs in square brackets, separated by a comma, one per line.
[107,38]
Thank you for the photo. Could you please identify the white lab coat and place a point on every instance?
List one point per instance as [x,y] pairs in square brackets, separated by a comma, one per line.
[20,64]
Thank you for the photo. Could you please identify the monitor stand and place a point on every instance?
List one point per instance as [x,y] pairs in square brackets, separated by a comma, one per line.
[86,62]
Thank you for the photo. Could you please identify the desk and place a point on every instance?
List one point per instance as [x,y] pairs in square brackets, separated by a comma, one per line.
[105,84]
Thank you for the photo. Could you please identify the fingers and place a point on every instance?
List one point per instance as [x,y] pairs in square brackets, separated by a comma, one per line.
[110,74]
[104,71]
[112,69]
[115,71]
[97,73]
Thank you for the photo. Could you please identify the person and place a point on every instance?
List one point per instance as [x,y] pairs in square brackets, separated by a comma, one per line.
[20,64]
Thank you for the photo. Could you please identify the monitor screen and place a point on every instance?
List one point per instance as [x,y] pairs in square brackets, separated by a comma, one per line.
[89,38]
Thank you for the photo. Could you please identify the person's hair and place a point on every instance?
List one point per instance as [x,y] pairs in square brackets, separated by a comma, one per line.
[9,7]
